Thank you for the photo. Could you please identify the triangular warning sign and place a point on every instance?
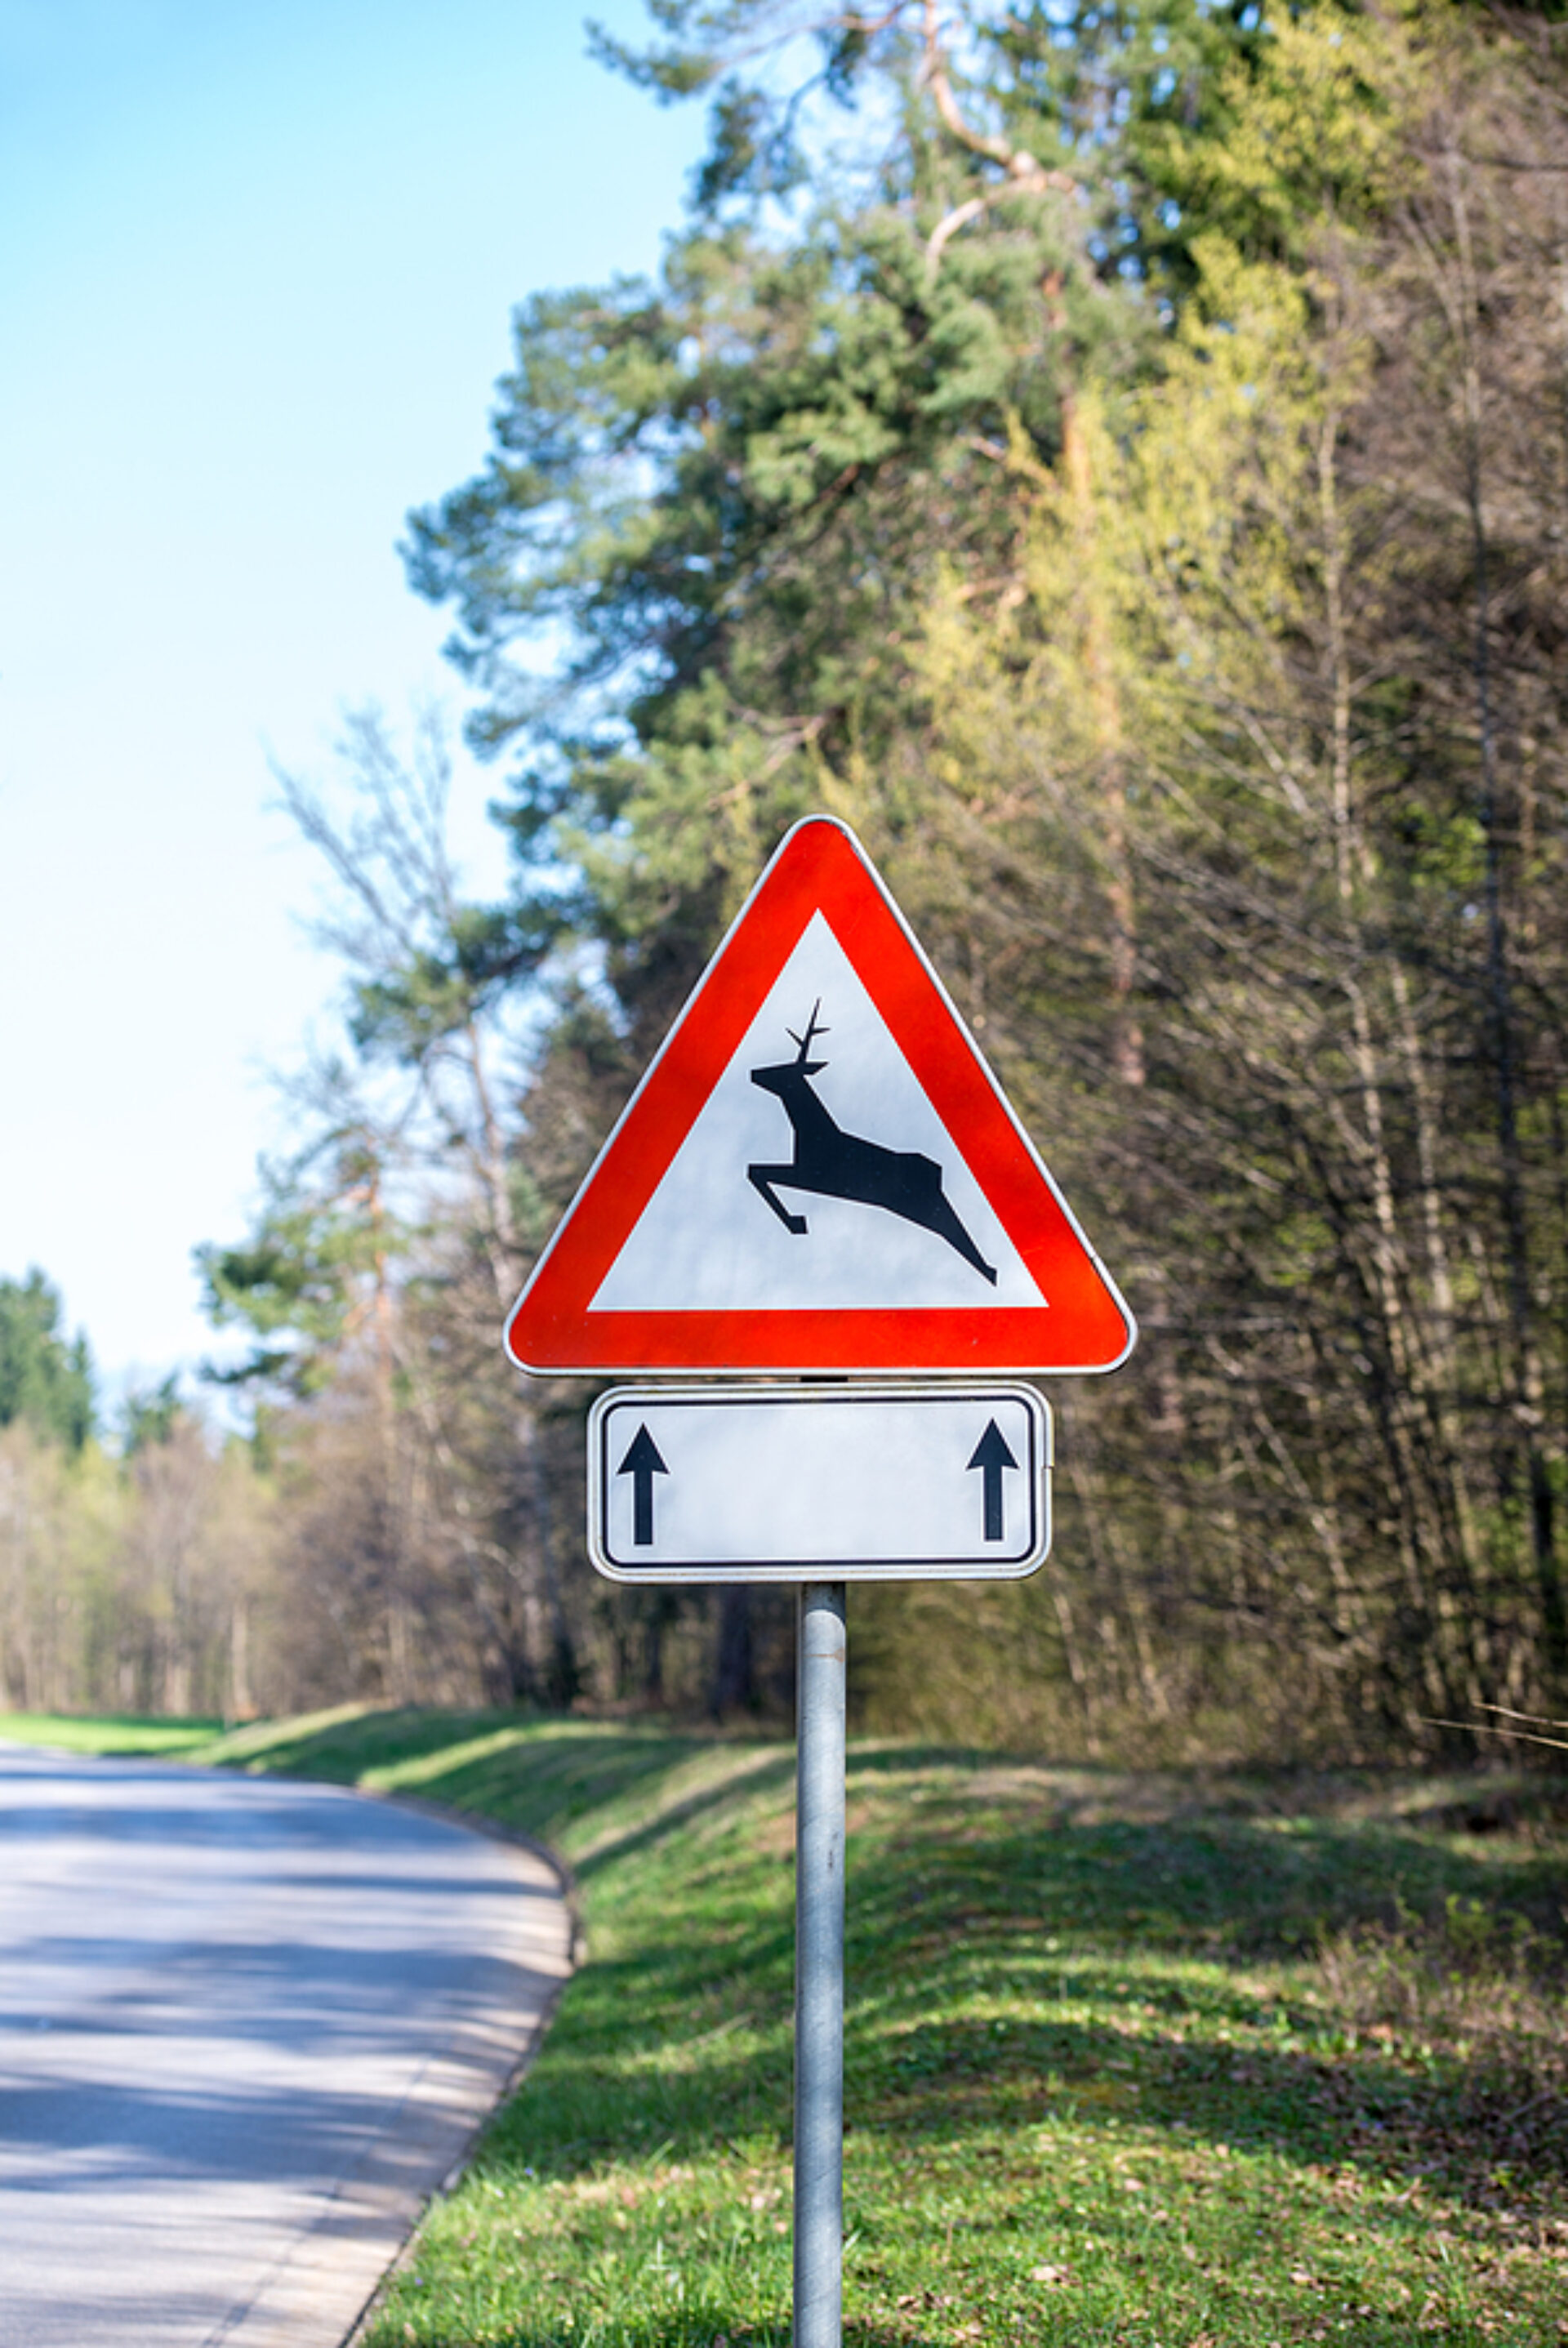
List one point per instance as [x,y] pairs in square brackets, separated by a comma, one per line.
[819,1173]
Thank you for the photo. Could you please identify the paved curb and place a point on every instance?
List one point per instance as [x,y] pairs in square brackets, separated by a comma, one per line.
[494,1831]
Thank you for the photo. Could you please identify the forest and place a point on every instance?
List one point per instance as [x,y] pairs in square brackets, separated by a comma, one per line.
[1116,458]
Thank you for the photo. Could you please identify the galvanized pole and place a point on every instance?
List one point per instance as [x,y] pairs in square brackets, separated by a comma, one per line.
[819,1969]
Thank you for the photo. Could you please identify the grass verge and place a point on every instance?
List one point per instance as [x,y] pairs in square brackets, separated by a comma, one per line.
[1131,2061]
[127,1733]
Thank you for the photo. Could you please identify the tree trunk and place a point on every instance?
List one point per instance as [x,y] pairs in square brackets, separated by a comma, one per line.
[735,1663]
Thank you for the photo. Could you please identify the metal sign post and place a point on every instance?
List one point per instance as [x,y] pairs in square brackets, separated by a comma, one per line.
[819,1969]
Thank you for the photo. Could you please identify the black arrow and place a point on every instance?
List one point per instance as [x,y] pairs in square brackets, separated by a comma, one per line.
[991,1453]
[642,1464]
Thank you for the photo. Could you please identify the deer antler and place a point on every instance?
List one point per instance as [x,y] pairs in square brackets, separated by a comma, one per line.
[812,1028]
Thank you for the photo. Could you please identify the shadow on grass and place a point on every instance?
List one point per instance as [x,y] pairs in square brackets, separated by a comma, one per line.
[528,1771]
[1151,1929]
[547,1784]
[343,1745]
[955,2081]
[765,1775]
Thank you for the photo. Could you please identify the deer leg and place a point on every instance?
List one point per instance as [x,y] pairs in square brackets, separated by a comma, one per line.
[762,1178]
[942,1218]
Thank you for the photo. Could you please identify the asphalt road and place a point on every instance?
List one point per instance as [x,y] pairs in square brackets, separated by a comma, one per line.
[246,2027]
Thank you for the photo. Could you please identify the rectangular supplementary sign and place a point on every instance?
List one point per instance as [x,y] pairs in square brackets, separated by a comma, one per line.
[796,1483]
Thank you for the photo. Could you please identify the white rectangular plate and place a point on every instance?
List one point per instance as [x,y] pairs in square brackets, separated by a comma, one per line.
[811,1483]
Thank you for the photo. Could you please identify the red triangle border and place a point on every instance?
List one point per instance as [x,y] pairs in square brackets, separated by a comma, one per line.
[819,867]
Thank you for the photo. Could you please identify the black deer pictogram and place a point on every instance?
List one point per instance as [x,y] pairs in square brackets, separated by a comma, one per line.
[839,1165]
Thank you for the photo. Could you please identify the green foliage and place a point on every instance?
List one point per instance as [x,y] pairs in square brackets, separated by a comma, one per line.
[1303,139]
[45,1378]
[435,994]
[150,1416]
[737,490]
[306,1276]
[137,1583]
[733,488]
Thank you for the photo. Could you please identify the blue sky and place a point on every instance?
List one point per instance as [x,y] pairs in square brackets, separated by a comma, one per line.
[257,259]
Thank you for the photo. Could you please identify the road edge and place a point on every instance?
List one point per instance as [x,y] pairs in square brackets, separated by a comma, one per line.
[577,1955]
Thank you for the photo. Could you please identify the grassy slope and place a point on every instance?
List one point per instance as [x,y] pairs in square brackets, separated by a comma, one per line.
[1127,2062]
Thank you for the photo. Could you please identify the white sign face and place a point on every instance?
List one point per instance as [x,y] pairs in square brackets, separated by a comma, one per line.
[746,1220]
[799,1483]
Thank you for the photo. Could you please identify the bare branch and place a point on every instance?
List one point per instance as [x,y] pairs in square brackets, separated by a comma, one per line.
[1025,175]
[960,217]
[1484,1728]
[995,150]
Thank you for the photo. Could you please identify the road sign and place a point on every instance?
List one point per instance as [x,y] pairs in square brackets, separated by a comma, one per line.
[819,1172]
[799,1483]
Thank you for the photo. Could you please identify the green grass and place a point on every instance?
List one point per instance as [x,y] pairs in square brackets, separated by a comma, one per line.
[127,1733]
[1131,2060]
